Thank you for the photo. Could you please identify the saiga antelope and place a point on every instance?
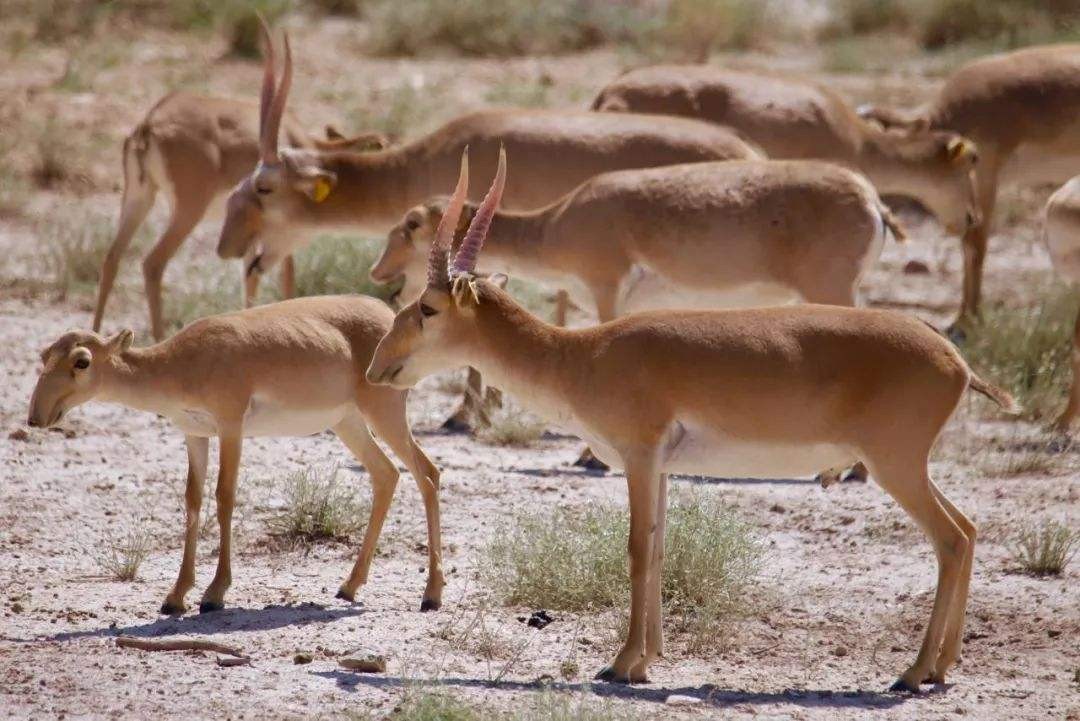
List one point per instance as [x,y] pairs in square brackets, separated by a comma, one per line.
[1062,236]
[1022,110]
[794,118]
[292,191]
[700,235]
[763,392]
[286,369]
[193,148]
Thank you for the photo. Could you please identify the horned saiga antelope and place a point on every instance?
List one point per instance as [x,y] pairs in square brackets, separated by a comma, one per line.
[286,369]
[764,392]
[1062,237]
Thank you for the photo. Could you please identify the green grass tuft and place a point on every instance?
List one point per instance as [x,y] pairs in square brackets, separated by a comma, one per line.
[1046,550]
[318,506]
[575,560]
[121,556]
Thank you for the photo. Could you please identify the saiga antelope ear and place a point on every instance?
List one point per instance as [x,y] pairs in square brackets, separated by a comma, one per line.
[316,183]
[960,150]
[499,279]
[121,341]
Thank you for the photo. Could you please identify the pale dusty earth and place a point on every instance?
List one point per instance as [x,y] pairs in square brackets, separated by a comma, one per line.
[838,611]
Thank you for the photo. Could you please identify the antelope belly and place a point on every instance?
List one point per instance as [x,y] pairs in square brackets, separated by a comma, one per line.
[698,450]
[265,418]
[643,289]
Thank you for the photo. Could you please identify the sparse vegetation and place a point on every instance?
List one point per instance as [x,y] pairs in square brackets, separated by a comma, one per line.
[120,556]
[317,506]
[205,291]
[339,264]
[521,93]
[74,249]
[1026,349]
[510,425]
[1046,549]
[400,111]
[53,156]
[431,703]
[575,560]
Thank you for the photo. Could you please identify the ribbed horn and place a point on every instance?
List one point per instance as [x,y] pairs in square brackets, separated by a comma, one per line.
[267,96]
[438,274]
[269,139]
[465,260]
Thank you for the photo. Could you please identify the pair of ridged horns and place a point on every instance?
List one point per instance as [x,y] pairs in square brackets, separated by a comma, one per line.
[440,270]
[271,102]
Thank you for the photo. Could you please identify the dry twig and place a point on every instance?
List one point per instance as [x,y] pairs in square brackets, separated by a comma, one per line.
[177,644]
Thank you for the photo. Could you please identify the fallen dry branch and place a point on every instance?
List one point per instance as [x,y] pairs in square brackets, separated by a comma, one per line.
[177,644]
[229,661]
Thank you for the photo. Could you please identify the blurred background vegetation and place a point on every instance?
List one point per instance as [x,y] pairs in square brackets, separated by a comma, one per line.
[683,29]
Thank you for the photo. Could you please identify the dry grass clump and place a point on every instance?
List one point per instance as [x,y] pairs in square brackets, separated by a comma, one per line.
[121,555]
[336,264]
[1027,349]
[575,560]
[1046,550]
[318,506]
[74,249]
[209,290]
[510,425]
[431,703]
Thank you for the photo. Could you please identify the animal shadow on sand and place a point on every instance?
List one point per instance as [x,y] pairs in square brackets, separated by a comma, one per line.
[708,694]
[228,620]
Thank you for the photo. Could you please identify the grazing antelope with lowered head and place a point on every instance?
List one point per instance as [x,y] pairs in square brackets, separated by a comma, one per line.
[795,118]
[194,148]
[1062,237]
[292,368]
[1022,110]
[763,392]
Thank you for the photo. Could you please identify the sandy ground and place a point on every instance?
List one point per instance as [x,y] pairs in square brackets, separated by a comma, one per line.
[844,595]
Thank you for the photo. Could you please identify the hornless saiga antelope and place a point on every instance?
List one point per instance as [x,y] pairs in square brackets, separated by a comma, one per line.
[764,392]
[700,235]
[1062,237]
[1022,110]
[194,148]
[795,118]
[286,369]
[294,190]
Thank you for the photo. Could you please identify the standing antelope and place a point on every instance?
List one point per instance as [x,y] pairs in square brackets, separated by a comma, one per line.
[765,392]
[292,191]
[1062,236]
[790,117]
[287,369]
[1022,110]
[194,148]
[698,235]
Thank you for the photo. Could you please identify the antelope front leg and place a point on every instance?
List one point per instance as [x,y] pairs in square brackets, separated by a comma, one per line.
[631,663]
[384,477]
[654,626]
[198,450]
[1072,409]
[229,464]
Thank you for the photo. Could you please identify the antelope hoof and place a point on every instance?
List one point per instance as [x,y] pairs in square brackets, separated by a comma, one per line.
[590,462]
[857,473]
[171,609]
[453,424]
[430,604]
[903,686]
[210,606]
[610,675]
[345,595]
[956,333]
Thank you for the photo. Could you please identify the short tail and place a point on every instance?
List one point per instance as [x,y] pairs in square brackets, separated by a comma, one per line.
[892,223]
[997,395]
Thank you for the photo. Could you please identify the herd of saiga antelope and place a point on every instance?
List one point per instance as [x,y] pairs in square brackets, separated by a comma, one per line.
[632,210]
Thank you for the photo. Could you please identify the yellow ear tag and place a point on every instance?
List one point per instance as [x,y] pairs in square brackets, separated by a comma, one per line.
[322,190]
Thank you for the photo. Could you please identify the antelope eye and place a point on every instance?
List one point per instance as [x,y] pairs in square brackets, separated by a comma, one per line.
[412,224]
[263,191]
[427,311]
[82,363]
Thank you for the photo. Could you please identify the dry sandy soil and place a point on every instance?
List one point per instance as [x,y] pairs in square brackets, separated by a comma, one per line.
[841,603]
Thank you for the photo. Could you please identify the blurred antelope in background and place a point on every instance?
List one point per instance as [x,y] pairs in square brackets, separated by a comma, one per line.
[292,368]
[764,392]
[194,149]
[1062,237]
[1022,110]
